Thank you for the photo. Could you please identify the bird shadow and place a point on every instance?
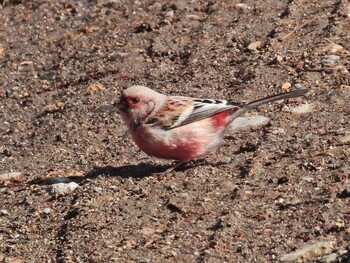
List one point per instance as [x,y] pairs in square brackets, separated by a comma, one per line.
[142,170]
[138,171]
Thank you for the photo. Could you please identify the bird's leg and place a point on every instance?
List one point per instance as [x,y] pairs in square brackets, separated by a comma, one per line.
[172,167]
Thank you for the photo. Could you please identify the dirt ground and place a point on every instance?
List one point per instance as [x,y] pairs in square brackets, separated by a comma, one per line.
[267,194]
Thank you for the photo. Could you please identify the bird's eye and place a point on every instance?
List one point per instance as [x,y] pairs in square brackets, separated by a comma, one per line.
[135,100]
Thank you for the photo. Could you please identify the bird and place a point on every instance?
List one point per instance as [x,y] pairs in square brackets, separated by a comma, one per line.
[181,128]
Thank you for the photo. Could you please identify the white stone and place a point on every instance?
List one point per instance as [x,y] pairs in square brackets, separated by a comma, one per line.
[242,6]
[310,251]
[7,176]
[62,188]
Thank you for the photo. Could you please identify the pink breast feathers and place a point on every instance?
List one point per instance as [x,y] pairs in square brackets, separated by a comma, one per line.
[174,147]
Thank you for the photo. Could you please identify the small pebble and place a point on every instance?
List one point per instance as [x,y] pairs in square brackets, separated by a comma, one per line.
[334,48]
[111,4]
[345,139]
[98,189]
[194,17]
[7,176]
[277,59]
[298,86]
[4,212]
[169,16]
[47,210]
[147,231]
[344,9]
[278,131]
[180,5]
[303,108]
[254,45]
[286,85]
[226,159]
[13,260]
[330,60]
[95,87]
[329,258]
[308,179]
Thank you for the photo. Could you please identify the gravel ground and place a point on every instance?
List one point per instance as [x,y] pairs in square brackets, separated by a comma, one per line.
[75,188]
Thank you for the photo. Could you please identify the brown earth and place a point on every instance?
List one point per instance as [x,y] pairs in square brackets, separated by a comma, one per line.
[267,192]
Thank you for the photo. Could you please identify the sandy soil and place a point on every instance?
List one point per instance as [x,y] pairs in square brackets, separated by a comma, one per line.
[269,193]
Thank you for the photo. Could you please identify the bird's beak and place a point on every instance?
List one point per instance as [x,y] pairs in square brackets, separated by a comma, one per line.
[121,105]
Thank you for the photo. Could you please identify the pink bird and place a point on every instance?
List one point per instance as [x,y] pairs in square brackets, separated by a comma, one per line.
[181,128]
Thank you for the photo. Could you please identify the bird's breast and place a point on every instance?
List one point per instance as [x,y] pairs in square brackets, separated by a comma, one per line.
[167,144]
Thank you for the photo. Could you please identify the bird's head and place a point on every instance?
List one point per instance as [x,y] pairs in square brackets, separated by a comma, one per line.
[137,103]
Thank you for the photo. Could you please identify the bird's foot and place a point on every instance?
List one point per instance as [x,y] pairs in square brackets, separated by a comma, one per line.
[168,172]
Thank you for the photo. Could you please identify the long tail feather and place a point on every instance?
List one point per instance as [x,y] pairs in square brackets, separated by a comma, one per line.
[287,95]
[257,103]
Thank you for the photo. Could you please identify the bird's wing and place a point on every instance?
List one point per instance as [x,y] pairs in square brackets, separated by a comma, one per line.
[180,111]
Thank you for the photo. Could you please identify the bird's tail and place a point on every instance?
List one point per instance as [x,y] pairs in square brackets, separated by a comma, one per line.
[257,103]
